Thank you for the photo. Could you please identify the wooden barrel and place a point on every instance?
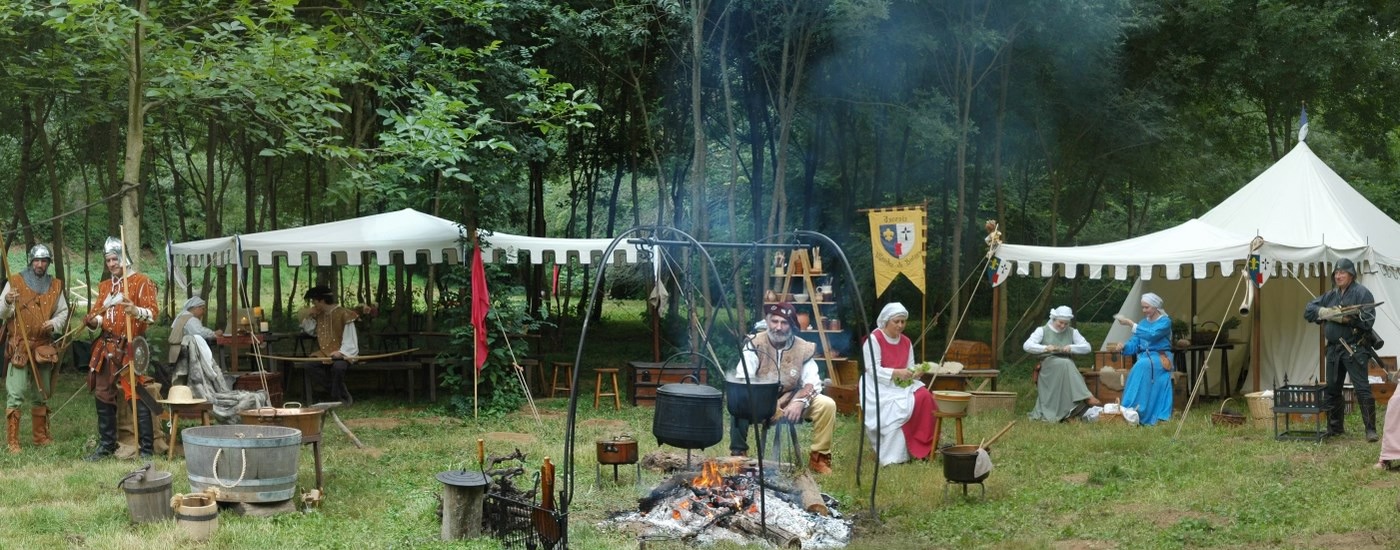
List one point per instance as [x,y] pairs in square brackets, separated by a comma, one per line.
[148,497]
[246,463]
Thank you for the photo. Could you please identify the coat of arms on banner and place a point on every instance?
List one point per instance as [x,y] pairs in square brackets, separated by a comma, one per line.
[899,239]
[1259,269]
[998,270]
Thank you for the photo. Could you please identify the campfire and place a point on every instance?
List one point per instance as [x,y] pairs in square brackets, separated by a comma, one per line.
[722,502]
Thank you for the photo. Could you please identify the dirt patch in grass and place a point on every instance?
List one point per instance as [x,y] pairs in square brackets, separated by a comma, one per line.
[1356,540]
[372,452]
[605,424]
[1163,518]
[512,437]
[1076,479]
[377,423]
[1083,544]
[1389,482]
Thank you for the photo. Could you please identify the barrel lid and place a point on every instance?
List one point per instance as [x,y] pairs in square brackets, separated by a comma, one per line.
[689,390]
[462,478]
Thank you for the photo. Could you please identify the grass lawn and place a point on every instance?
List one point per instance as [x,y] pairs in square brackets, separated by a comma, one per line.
[1055,486]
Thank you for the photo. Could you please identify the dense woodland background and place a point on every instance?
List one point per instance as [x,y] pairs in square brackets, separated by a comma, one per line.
[1071,121]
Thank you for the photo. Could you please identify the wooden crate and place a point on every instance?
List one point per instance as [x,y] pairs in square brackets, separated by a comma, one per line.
[972,354]
[645,380]
[847,397]
[1116,360]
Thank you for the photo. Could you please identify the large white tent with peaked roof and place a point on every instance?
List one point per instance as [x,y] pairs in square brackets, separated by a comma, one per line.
[1308,218]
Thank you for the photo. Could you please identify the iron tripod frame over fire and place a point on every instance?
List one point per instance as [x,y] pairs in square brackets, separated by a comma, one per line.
[633,236]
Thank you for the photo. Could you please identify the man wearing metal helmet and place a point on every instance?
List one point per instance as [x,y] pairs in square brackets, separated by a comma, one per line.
[34,308]
[126,307]
[1346,322]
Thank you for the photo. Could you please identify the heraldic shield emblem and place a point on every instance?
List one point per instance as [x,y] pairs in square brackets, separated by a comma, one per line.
[899,239]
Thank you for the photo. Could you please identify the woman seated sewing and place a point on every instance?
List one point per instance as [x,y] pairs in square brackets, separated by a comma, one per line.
[1061,392]
[903,419]
[1149,385]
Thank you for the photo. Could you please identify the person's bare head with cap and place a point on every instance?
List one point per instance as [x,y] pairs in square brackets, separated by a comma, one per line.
[781,317]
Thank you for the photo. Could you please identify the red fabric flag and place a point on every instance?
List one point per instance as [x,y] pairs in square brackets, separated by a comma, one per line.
[481,303]
[555,290]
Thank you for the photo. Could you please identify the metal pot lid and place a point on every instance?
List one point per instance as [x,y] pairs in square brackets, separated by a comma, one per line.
[462,478]
[689,390]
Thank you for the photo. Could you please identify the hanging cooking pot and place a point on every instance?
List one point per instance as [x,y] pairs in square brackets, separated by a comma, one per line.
[621,449]
[688,416]
[754,401]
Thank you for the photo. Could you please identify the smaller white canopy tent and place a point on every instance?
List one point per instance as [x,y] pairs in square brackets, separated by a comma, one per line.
[1309,218]
[406,233]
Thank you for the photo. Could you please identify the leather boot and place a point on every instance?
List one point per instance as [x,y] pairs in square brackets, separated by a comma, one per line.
[146,438]
[1336,414]
[820,463]
[1368,417]
[106,432]
[12,430]
[40,417]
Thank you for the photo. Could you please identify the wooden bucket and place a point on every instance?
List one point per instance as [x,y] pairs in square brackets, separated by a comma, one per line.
[148,497]
[246,463]
[197,514]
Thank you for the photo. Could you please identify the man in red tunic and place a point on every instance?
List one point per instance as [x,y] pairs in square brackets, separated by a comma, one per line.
[126,299]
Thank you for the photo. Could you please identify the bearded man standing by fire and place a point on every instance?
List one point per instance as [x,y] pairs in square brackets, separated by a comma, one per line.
[779,354]
[127,308]
[34,308]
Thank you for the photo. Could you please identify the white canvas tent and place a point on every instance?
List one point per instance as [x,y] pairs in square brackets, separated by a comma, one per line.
[1308,216]
[406,233]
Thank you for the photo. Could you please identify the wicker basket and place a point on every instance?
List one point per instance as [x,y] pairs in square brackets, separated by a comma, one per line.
[1261,409]
[1223,418]
[1111,418]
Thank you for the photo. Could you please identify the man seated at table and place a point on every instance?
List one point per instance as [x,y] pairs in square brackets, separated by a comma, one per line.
[336,339]
[779,354]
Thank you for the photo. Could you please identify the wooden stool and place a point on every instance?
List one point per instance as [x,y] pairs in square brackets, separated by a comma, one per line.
[568,370]
[534,375]
[598,388]
[938,417]
[191,411]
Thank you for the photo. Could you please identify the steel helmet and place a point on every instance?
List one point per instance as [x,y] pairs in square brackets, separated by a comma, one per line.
[40,252]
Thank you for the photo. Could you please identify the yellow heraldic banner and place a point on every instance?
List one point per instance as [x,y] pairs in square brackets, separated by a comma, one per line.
[897,241]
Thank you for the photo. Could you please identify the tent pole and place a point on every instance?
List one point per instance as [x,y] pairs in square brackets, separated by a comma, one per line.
[996,327]
[1255,349]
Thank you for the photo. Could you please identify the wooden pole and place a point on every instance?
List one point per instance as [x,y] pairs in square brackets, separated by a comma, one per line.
[996,326]
[19,326]
[130,368]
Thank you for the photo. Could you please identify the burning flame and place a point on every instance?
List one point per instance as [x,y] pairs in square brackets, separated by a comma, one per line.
[676,514]
[712,474]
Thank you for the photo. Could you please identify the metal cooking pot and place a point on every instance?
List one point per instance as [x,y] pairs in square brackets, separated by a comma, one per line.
[306,420]
[960,463]
[754,402]
[688,416]
[621,449]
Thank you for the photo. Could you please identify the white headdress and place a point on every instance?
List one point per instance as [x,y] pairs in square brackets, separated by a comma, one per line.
[193,302]
[891,310]
[1062,312]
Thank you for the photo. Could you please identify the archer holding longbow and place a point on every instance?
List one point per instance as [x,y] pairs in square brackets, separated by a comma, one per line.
[34,308]
[128,306]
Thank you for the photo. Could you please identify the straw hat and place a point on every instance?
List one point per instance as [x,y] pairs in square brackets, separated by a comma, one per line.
[180,395]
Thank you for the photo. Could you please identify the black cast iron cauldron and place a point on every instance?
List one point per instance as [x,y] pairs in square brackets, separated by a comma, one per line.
[960,464]
[754,402]
[688,416]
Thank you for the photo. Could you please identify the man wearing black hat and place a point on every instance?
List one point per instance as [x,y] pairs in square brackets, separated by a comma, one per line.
[778,354]
[1348,345]
[336,338]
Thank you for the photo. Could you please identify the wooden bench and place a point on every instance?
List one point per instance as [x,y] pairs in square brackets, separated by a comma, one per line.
[408,368]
